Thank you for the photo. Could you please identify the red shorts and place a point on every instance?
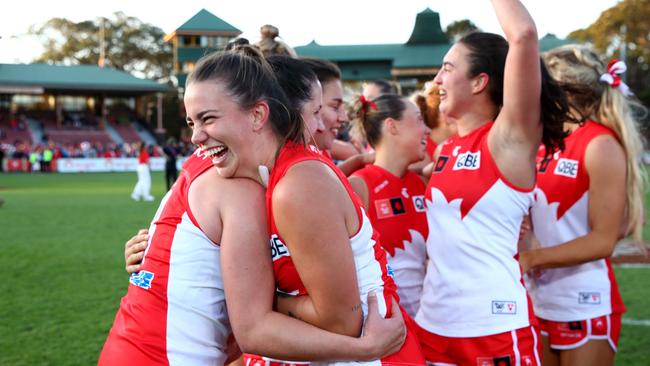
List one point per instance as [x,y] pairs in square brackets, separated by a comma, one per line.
[516,347]
[570,335]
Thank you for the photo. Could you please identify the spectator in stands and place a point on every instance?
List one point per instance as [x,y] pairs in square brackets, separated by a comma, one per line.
[2,157]
[142,189]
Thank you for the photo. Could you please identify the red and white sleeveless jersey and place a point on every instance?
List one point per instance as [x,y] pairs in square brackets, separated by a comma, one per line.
[397,211]
[560,214]
[373,272]
[473,286]
[175,311]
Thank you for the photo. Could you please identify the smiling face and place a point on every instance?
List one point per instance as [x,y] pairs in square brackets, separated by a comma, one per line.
[220,128]
[333,114]
[311,112]
[454,84]
[413,132]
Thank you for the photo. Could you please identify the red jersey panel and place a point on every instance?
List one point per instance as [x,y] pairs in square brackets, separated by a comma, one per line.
[174,312]
[561,214]
[397,211]
[373,272]
[473,286]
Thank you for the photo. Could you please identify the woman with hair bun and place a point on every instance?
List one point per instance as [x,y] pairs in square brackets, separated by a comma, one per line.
[392,195]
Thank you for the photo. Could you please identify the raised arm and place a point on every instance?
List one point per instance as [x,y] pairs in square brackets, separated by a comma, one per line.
[248,278]
[517,131]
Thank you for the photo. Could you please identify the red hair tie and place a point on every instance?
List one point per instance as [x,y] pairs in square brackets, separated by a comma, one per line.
[613,76]
[367,102]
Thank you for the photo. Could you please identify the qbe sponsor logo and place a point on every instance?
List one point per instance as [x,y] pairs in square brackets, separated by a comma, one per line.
[142,279]
[418,203]
[567,168]
[278,249]
[468,161]
[504,307]
[590,298]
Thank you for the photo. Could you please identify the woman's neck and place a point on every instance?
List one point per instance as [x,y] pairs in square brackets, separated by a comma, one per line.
[394,162]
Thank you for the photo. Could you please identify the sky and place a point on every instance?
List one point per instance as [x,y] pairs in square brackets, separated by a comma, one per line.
[330,22]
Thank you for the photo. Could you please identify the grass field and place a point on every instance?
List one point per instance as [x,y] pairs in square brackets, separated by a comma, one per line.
[61,262]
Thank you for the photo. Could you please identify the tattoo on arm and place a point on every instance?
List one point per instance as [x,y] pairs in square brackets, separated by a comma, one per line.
[356,307]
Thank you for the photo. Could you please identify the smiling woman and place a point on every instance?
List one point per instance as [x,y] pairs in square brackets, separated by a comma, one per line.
[244,109]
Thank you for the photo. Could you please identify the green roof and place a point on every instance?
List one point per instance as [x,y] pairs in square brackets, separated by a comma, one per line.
[204,21]
[550,41]
[75,78]
[427,29]
[401,55]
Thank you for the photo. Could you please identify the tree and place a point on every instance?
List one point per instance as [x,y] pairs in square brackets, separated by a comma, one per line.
[625,24]
[129,44]
[459,28]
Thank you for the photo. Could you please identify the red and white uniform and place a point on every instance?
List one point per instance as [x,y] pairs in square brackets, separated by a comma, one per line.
[473,285]
[174,312]
[397,211]
[369,256]
[561,214]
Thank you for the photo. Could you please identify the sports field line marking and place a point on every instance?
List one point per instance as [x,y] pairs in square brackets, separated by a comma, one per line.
[632,265]
[641,322]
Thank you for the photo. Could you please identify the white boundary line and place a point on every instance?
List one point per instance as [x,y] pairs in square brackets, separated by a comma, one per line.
[632,265]
[640,322]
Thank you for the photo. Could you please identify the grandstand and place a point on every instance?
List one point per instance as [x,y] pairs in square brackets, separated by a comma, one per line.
[64,105]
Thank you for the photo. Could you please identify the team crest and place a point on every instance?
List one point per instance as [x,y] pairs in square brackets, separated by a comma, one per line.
[389,207]
[440,164]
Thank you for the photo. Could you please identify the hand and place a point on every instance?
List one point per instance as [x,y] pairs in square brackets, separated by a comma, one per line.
[134,250]
[368,158]
[383,336]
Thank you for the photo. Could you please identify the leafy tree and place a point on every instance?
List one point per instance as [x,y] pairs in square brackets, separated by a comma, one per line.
[625,24]
[129,44]
[459,28]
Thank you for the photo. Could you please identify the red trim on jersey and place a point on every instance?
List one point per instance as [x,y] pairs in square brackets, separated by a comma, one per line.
[130,340]
[286,275]
[554,184]
[385,191]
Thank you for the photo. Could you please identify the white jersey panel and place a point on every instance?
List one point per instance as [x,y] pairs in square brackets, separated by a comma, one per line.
[473,286]
[568,293]
[197,320]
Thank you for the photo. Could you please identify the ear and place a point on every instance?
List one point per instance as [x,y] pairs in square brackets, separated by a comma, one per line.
[391,126]
[480,83]
[260,115]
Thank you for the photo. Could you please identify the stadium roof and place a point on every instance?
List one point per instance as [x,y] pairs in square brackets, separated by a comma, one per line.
[550,41]
[17,78]
[204,23]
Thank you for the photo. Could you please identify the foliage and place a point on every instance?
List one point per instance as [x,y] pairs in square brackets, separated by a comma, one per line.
[459,28]
[627,24]
[130,44]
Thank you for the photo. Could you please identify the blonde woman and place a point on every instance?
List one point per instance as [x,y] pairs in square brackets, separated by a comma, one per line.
[588,196]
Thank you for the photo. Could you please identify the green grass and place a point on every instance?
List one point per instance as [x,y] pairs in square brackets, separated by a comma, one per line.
[61,265]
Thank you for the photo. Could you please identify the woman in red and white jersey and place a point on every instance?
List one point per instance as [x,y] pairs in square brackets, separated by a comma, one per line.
[587,195]
[392,195]
[474,308]
[207,248]
[325,252]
